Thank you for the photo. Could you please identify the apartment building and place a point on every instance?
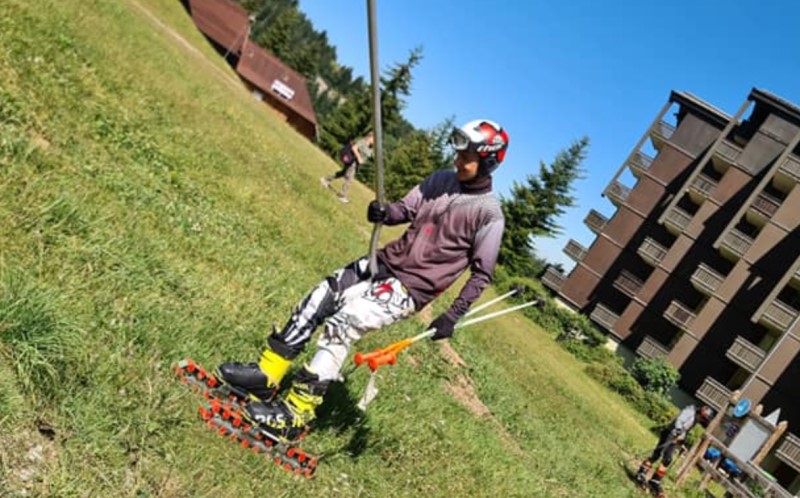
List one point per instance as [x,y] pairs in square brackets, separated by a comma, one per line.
[700,262]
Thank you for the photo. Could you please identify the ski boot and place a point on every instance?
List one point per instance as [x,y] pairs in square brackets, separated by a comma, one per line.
[288,419]
[656,488]
[256,381]
[641,474]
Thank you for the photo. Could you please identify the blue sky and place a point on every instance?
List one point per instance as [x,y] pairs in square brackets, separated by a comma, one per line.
[552,72]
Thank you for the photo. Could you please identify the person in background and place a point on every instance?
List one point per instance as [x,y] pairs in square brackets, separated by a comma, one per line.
[353,154]
[670,439]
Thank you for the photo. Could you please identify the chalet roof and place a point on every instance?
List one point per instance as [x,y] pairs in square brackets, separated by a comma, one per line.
[224,21]
[266,72]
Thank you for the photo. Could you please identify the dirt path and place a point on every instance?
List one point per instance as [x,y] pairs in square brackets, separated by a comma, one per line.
[181,41]
[463,390]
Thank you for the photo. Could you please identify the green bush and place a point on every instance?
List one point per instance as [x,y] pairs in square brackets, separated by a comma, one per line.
[551,317]
[657,407]
[655,375]
[644,386]
[586,353]
[614,376]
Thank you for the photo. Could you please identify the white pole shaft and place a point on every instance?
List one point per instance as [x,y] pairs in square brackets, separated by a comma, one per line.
[479,319]
[489,303]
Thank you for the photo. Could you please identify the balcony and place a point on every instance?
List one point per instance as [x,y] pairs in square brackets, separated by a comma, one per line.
[676,220]
[762,209]
[575,251]
[728,152]
[617,193]
[628,283]
[595,221]
[553,278]
[660,133]
[789,451]
[679,315]
[714,394]
[604,316]
[788,173]
[701,188]
[735,244]
[706,280]
[778,316]
[639,163]
[651,251]
[745,354]
[652,349]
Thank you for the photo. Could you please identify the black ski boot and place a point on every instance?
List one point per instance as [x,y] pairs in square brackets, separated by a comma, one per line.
[247,380]
[641,474]
[656,488]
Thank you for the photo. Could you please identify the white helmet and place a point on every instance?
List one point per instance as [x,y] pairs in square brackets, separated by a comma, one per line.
[485,137]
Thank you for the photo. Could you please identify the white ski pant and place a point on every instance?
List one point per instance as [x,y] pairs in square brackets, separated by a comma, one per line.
[351,303]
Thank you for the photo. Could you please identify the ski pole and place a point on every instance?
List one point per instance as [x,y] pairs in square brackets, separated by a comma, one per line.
[391,351]
[376,129]
[388,355]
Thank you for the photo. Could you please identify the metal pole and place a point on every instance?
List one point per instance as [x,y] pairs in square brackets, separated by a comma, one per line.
[376,128]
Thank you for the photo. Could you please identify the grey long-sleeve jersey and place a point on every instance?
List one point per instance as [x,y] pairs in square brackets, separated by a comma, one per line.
[450,231]
[683,423]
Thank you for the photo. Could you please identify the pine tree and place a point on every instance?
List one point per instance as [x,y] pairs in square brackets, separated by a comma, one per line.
[534,207]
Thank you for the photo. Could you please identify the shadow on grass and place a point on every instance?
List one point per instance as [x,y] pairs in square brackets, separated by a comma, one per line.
[340,414]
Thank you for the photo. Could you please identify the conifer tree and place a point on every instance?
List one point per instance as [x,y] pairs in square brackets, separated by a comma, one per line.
[534,206]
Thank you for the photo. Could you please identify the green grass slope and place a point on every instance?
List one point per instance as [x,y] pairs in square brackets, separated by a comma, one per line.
[151,210]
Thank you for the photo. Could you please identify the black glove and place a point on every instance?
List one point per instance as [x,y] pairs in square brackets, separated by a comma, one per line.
[376,212]
[444,327]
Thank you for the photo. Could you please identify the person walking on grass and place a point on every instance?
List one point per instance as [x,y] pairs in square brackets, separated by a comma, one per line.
[669,440]
[353,154]
[456,223]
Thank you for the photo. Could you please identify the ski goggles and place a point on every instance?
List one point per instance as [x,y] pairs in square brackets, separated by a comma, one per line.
[459,140]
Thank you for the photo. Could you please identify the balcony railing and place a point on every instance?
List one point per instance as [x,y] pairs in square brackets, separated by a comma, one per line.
[677,220]
[651,251]
[679,315]
[618,192]
[628,283]
[765,205]
[661,132]
[736,242]
[574,250]
[791,167]
[703,186]
[706,280]
[640,162]
[779,315]
[553,278]
[789,451]
[604,316]
[745,354]
[728,151]
[713,393]
[595,221]
[652,349]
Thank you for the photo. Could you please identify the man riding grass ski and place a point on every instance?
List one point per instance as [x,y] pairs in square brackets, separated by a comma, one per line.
[455,223]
